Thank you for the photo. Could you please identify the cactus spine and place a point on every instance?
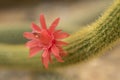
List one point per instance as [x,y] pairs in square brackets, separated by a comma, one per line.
[96,38]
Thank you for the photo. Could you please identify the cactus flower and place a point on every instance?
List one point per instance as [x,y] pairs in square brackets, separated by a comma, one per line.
[48,40]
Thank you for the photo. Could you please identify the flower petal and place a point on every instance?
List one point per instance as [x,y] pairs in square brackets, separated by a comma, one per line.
[34,51]
[57,31]
[61,35]
[35,27]
[62,52]
[61,43]
[32,43]
[42,21]
[50,60]
[55,52]
[45,58]
[28,35]
[45,37]
[54,24]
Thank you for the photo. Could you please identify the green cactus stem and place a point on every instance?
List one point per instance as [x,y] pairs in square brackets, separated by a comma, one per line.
[92,41]
[95,39]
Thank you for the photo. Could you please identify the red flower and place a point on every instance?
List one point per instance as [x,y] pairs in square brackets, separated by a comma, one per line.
[47,40]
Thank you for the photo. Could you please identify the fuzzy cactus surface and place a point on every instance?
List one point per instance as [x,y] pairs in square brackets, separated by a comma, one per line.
[96,38]
[90,42]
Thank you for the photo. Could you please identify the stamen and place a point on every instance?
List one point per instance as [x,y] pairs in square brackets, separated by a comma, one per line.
[36,35]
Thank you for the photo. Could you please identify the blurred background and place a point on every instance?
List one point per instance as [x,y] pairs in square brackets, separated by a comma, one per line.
[16,17]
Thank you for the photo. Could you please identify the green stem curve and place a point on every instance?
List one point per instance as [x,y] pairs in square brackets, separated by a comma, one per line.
[83,45]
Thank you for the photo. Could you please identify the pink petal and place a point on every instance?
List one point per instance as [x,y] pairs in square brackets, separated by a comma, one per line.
[61,35]
[28,35]
[45,37]
[45,58]
[50,59]
[42,21]
[34,51]
[32,43]
[45,33]
[61,43]
[55,52]
[62,52]
[53,25]
[35,27]
[57,31]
